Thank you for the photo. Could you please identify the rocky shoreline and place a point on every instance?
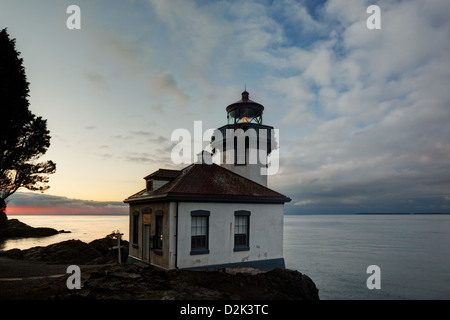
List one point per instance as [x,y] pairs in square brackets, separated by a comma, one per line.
[103,278]
[70,252]
[124,281]
[131,282]
[16,229]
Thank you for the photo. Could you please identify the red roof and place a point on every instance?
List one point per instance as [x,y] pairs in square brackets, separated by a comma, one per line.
[165,174]
[245,102]
[203,182]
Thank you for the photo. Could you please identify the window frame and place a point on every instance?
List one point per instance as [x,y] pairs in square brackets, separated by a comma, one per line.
[246,246]
[149,185]
[200,214]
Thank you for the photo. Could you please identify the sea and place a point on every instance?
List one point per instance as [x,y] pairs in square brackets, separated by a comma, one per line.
[411,253]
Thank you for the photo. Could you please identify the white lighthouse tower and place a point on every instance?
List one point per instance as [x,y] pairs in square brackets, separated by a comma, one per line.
[244,143]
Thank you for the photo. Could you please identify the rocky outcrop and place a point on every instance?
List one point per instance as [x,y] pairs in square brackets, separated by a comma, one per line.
[110,280]
[16,229]
[131,282]
[72,252]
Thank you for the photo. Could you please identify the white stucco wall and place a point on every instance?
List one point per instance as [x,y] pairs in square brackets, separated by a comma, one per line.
[266,233]
[172,235]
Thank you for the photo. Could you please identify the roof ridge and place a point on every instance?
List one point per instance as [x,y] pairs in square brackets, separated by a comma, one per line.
[230,172]
[248,179]
[199,180]
[178,179]
[162,171]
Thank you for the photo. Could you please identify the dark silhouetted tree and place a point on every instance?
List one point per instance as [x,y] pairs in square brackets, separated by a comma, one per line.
[24,138]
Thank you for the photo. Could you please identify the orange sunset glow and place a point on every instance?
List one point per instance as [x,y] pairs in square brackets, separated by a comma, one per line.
[41,210]
[30,210]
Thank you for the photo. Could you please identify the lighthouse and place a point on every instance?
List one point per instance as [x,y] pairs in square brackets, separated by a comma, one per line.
[214,215]
[244,144]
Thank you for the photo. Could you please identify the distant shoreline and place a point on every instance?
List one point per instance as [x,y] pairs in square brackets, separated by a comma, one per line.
[406,213]
[365,213]
[286,214]
[66,214]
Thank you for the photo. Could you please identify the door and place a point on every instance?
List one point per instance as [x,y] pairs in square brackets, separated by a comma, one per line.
[146,243]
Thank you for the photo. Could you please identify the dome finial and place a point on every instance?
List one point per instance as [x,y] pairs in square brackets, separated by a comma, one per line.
[245,94]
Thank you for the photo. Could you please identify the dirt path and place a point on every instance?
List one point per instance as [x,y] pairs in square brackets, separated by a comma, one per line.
[25,279]
[12,268]
[19,278]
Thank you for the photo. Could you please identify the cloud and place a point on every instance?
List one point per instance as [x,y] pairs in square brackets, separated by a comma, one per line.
[379,103]
[195,33]
[165,86]
[297,96]
[96,79]
[129,52]
[319,68]
[362,113]
[157,146]
[36,203]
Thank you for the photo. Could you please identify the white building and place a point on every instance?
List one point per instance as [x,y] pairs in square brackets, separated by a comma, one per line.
[211,216]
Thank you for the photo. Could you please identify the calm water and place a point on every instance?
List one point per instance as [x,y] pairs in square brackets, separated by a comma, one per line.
[412,251]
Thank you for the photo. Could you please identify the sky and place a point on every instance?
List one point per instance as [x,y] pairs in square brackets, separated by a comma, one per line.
[363,114]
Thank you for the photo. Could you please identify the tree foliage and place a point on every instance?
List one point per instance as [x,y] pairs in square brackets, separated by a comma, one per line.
[24,137]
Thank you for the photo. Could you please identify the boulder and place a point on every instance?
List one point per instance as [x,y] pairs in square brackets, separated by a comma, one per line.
[72,252]
[16,229]
[66,252]
[104,246]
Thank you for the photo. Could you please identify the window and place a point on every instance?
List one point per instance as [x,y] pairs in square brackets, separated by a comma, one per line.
[241,230]
[199,231]
[149,185]
[158,239]
[135,224]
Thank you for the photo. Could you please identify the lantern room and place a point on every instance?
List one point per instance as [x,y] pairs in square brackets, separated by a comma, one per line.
[244,143]
[245,111]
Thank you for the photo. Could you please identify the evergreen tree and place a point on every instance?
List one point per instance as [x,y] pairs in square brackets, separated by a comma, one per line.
[24,138]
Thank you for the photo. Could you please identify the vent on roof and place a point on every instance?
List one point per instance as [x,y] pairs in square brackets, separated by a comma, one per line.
[155,184]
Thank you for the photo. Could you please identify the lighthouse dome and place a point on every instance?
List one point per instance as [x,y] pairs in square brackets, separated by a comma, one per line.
[245,111]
